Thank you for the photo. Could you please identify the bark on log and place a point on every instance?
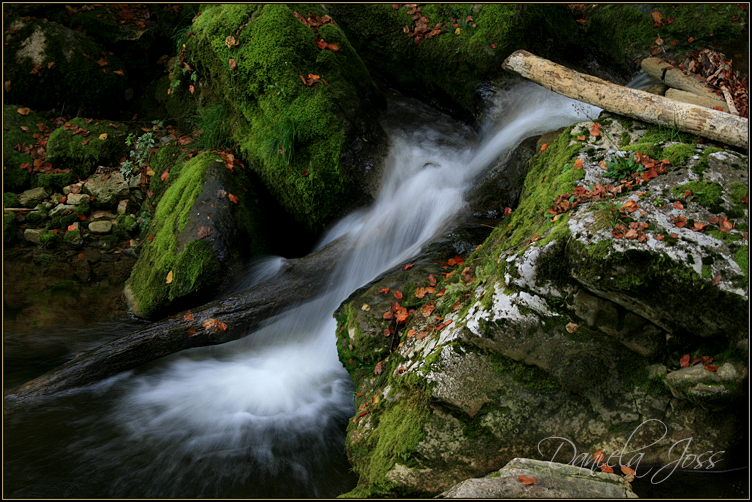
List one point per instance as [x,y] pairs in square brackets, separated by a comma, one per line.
[694,99]
[708,123]
[299,280]
[674,77]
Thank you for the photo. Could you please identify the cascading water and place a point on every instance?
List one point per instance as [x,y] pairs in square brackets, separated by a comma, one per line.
[265,416]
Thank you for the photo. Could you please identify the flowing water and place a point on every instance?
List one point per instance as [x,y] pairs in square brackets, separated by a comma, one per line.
[265,416]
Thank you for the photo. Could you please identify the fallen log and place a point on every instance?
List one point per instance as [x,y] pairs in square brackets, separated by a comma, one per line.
[298,280]
[705,122]
[674,77]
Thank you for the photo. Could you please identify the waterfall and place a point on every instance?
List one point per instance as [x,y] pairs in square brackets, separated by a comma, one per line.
[265,416]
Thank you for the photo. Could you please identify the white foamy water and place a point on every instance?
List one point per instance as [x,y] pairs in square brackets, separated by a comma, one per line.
[266,415]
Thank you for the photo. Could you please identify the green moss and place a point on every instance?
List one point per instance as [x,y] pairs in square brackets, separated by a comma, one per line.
[707,272]
[741,257]
[737,191]
[709,194]
[703,163]
[158,258]
[10,200]
[531,377]
[66,150]
[648,148]
[196,269]
[678,153]
[398,431]
[9,227]
[264,91]
[47,238]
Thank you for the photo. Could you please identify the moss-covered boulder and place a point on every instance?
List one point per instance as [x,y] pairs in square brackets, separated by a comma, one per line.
[571,320]
[20,124]
[626,33]
[303,118]
[470,43]
[205,223]
[50,66]
[85,144]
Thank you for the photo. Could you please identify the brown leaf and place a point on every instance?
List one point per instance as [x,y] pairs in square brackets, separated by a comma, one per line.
[571,327]
[684,361]
[233,198]
[526,480]
[398,295]
[188,316]
[657,17]
[606,468]
[203,232]
[598,457]
[377,370]
[191,331]
[23,111]
[387,315]
[678,205]
[716,280]
[232,63]
[165,175]
[333,47]
[710,367]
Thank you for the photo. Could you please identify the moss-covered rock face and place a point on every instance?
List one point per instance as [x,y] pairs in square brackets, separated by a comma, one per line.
[570,325]
[49,65]
[627,33]
[99,144]
[312,145]
[447,69]
[198,234]
[19,133]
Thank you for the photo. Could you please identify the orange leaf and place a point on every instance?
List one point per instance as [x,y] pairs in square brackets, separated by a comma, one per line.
[660,237]
[398,295]
[72,227]
[678,205]
[188,316]
[333,47]
[657,17]
[150,238]
[581,138]
[710,367]
[684,361]
[578,164]
[233,198]
[526,480]
[674,236]
[191,331]
[203,232]
[384,291]
[598,457]
[321,44]
[405,267]
[691,39]
[165,174]
[387,315]
[377,370]
[411,333]
[606,468]
[507,211]
[627,470]
[543,147]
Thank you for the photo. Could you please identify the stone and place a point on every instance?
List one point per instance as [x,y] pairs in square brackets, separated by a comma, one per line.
[78,198]
[30,198]
[552,480]
[107,189]
[61,210]
[32,235]
[711,390]
[100,227]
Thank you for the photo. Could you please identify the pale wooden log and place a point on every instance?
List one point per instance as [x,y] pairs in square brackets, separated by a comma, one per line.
[729,101]
[674,77]
[711,124]
[694,99]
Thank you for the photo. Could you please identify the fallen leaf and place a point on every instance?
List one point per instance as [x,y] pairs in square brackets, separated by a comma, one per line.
[526,480]
[333,47]
[191,331]
[203,232]
[678,205]
[507,211]
[377,370]
[660,237]
[103,136]
[150,238]
[543,147]
[23,111]
[169,277]
[716,280]
[710,367]
[431,280]
[365,307]
[232,63]
[707,359]
[659,41]
[581,138]
[598,457]
[578,164]
[188,316]
[387,315]
[684,361]
[191,88]
[657,17]
[165,175]
[80,256]
[233,198]
[571,327]
[398,295]
[606,468]
[405,267]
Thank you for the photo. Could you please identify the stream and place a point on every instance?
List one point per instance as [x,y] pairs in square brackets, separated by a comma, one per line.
[264,416]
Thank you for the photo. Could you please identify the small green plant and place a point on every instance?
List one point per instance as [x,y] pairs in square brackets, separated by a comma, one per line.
[283,141]
[213,122]
[607,214]
[138,155]
[280,90]
[620,167]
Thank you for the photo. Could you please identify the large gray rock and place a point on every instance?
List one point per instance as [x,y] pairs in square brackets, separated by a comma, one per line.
[107,189]
[30,198]
[552,480]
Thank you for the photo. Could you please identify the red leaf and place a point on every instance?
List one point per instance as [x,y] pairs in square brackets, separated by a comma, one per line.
[321,44]
[377,370]
[398,295]
[203,232]
[431,280]
[707,359]
[384,291]
[233,198]
[684,361]
[387,315]
[507,211]
[691,39]
[493,46]
[710,367]
[526,480]
[407,266]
